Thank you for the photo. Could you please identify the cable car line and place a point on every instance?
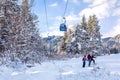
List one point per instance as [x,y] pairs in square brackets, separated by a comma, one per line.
[46,16]
[65,9]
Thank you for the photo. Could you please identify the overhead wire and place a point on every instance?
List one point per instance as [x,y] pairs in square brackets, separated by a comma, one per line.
[46,15]
[65,9]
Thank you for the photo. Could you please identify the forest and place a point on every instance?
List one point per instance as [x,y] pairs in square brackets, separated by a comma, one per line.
[20,40]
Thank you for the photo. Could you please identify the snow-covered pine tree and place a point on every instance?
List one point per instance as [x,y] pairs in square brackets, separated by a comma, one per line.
[95,36]
[79,39]
[62,46]
[67,40]
[29,48]
[86,37]
[9,12]
[84,23]
[19,38]
[23,36]
[79,42]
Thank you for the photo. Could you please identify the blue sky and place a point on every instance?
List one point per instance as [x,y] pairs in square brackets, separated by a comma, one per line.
[107,11]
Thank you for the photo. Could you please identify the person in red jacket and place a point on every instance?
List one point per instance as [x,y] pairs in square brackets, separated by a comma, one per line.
[90,59]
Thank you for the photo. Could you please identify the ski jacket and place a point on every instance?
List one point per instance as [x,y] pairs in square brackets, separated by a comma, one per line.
[84,58]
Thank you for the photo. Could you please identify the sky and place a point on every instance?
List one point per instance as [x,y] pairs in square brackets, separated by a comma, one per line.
[107,12]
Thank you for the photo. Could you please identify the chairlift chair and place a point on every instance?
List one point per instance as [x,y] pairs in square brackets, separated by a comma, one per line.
[63,26]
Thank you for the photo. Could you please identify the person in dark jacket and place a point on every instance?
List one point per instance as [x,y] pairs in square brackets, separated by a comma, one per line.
[90,59]
[84,59]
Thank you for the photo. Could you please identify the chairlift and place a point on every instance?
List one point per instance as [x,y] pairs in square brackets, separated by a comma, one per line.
[63,26]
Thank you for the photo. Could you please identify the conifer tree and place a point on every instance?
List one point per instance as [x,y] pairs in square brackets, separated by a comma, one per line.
[78,42]
[19,38]
[90,26]
[95,36]
[83,23]
[9,13]
[28,48]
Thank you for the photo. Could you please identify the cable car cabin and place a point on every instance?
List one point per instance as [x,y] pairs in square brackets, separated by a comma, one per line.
[63,27]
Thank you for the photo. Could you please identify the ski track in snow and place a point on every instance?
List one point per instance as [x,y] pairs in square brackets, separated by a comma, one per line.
[107,68]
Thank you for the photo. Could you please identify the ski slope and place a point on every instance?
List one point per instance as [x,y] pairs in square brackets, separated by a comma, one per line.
[106,68]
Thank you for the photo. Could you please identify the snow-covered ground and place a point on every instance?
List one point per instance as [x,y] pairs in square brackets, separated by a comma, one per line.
[107,68]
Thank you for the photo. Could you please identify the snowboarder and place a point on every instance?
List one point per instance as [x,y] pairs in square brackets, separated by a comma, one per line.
[84,59]
[90,59]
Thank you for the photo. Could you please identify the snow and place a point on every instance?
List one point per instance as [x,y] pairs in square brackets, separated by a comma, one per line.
[91,39]
[84,31]
[107,68]
[79,46]
[73,39]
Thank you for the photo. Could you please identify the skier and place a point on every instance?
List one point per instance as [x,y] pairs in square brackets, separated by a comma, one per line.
[90,59]
[84,59]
